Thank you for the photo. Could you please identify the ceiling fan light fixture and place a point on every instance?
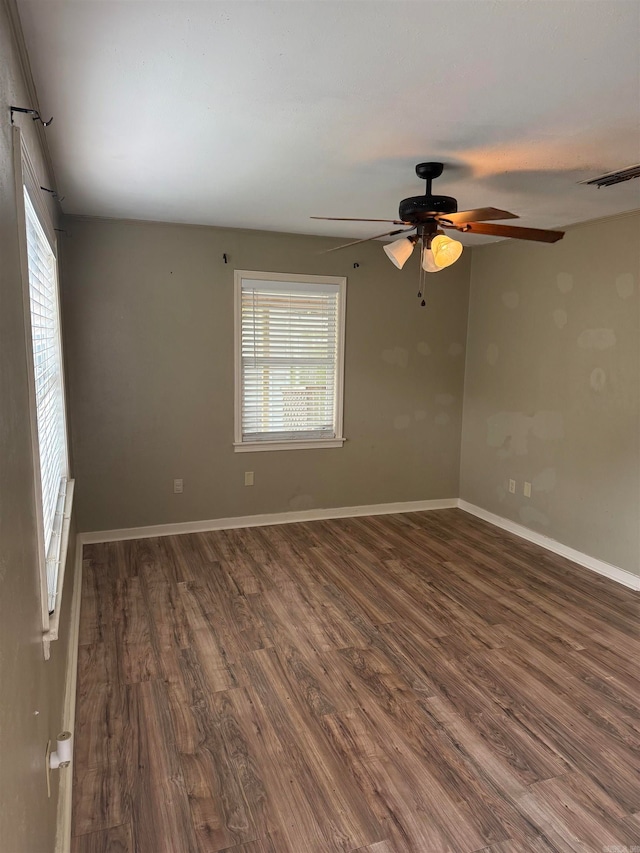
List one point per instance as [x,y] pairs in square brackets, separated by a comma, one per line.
[400,250]
[445,251]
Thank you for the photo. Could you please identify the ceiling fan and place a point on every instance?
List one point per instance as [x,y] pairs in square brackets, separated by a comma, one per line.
[427,215]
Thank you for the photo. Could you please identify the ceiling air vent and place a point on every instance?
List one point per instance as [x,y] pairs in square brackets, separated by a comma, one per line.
[612,178]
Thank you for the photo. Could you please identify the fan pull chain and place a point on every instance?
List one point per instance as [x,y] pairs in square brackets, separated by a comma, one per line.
[422,277]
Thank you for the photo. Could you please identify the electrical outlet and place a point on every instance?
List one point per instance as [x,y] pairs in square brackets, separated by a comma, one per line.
[512,486]
[527,490]
[178,487]
[248,478]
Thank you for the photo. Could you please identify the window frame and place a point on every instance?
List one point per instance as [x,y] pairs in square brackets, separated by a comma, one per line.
[26,179]
[241,446]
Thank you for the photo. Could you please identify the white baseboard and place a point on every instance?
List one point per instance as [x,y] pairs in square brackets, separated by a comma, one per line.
[600,566]
[262,520]
[65,799]
[622,576]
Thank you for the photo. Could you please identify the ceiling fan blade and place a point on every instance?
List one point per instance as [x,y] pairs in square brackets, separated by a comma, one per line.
[350,219]
[480,214]
[367,239]
[539,234]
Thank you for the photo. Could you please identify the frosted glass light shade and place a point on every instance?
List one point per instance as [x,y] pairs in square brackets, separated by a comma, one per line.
[399,251]
[445,250]
[428,262]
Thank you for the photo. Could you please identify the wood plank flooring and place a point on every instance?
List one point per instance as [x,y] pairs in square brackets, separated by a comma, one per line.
[421,682]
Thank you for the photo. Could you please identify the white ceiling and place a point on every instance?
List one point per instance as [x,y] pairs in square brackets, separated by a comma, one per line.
[259,114]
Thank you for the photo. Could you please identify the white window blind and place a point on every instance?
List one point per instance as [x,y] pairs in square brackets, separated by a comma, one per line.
[49,395]
[290,360]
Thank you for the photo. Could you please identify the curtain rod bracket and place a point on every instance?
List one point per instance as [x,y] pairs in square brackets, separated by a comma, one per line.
[53,193]
[35,115]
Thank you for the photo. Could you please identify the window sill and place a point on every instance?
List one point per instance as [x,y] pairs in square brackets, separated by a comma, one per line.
[54,620]
[306,444]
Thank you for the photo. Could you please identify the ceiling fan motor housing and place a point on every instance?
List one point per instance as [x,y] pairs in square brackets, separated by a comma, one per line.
[422,207]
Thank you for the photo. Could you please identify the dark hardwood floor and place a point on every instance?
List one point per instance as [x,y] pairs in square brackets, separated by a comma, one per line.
[420,682]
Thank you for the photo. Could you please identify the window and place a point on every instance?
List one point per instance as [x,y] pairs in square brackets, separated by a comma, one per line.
[49,395]
[289,361]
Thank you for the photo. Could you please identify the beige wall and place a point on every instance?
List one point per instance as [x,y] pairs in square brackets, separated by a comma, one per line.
[551,381]
[29,684]
[552,385]
[149,311]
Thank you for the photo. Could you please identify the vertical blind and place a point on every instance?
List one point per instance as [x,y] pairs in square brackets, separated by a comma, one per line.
[49,399]
[289,352]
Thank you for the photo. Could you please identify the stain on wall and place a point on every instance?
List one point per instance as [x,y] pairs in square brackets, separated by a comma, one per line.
[564,282]
[560,318]
[511,299]
[396,355]
[301,502]
[509,431]
[445,399]
[402,422]
[597,339]
[625,285]
[598,379]
[545,481]
[532,517]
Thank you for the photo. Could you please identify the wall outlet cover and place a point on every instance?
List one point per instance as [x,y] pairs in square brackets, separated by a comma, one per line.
[512,486]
